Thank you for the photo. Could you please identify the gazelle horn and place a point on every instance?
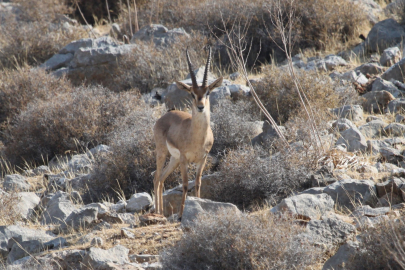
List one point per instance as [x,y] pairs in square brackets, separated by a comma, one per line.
[207,69]
[190,67]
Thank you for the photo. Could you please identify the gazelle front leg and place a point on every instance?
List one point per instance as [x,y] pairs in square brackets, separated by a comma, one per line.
[200,168]
[183,170]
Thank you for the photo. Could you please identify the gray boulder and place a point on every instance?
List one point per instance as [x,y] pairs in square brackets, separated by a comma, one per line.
[85,43]
[305,206]
[159,34]
[57,61]
[351,112]
[353,139]
[139,202]
[370,68]
[10,235]
[395,129]
[333,61]
[396,105]
[97,258]
[27,248]
[399,118]
[350,193]
[98,56]
[195,206]
[172,197]
[58,209]
[342,124]
[219,93]
[390,56]
[328,232]
[367,211]
[343,258]
[391,155]
[395,72]
[353,76]
[381,85]
[384,34]
[373,129]
[377,101]
[16,182]
[79,219]
[26,204]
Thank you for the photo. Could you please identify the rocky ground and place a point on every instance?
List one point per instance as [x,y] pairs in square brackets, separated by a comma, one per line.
[359,182]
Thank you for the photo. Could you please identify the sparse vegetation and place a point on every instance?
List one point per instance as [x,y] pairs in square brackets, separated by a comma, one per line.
[35,34]
[277,91]
[382,246]
[229,241]
[82,117]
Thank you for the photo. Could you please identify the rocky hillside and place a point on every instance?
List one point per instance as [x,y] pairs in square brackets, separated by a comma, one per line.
[319,190]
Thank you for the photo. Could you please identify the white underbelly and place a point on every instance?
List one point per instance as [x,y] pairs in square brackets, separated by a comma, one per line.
[174,152]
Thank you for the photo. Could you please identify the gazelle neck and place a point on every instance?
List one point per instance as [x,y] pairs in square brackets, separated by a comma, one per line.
[200,121]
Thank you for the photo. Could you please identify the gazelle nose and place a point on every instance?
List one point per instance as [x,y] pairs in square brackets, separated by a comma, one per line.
[200,108]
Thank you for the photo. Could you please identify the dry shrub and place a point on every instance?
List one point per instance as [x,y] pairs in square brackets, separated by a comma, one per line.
[23,85]
[228,241]
[83,117]
[95,11]
[35,35]
[320,23]
[8,213]
[249,177]
[148,67]
[329,25]
[230,124]
[278,93]
[132,158]
[382,247]
[41,11]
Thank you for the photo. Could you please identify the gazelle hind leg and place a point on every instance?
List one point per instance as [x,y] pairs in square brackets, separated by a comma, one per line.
[173,164]
[183,169]
[160,162]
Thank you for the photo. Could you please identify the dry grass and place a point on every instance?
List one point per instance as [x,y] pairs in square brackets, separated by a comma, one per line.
[35,35]
[132,160]
[8,215]
[148,67]
[24,85]
[82,117]
[382,247]
[279,96]
[230,127]
[229,241]
[321,24]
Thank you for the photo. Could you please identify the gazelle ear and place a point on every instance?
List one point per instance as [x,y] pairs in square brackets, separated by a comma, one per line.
[215,84]
[183,86]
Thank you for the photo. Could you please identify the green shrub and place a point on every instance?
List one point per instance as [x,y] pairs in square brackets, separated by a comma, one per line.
[229,241]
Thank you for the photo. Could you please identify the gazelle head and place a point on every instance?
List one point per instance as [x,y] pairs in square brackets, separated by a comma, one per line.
[200,94]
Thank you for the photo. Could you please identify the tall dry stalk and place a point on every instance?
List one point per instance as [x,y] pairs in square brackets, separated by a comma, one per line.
[239,49]
[283,18]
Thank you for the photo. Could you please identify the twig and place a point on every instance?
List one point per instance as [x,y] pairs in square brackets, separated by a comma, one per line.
[89,26]
[108,11]
[129,16]
[236,48]
[136,18]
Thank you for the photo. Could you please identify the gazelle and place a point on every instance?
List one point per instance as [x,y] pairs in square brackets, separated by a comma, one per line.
[187,138]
